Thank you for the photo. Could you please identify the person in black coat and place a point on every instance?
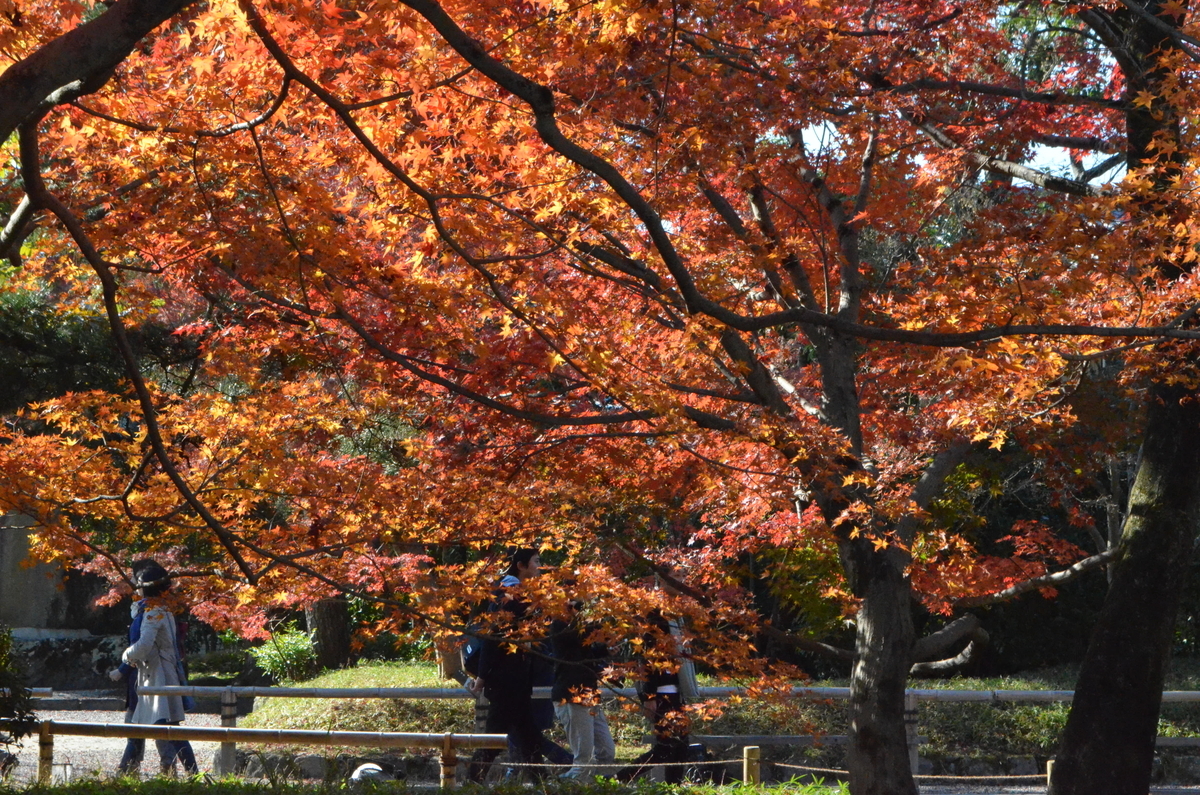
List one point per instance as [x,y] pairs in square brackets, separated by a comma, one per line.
[506,676]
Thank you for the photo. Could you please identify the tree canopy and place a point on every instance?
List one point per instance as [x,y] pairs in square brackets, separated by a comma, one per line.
[717,292]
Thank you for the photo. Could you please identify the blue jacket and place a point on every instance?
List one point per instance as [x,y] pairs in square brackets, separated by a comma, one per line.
[135,632]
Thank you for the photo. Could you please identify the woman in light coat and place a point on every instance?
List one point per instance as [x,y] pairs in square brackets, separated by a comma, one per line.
[153,657]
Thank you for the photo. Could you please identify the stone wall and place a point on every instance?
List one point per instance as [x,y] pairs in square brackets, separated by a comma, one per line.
[60,637]
[68,659]
[29,596]
[43,596]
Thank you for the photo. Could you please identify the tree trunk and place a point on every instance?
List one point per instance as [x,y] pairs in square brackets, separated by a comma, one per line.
[449,660]
[329,624]
[878,751]
[1108,743]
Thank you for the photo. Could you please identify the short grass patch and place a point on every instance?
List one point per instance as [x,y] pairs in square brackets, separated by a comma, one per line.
[368,714]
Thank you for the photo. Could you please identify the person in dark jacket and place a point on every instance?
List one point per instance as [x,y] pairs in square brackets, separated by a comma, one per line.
[506,677]
[576,695]
[542,667]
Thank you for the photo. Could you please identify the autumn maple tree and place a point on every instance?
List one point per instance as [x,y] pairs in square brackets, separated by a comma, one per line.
[663,286]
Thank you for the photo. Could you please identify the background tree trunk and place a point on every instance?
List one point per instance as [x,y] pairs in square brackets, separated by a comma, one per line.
[329,623]
[1108,743]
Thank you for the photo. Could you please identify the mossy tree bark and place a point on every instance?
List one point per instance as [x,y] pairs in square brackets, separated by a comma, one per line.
[329,622]
[1108,743]
[878,749]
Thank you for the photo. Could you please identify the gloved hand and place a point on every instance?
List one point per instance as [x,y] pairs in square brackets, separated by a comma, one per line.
[116,675]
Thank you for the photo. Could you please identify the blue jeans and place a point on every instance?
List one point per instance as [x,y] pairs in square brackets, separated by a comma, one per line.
[168,752]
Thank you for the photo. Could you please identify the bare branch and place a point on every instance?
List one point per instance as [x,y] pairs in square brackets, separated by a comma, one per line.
[979,641]
[969,87]
[1045,581]
[937,644]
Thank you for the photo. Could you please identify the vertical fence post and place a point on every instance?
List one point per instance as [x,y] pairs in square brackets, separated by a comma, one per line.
[226,759]
[449,762]
[910,732]
[45,752]
[751,772]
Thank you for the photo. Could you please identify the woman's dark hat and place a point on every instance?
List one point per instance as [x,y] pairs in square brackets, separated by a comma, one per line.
[148,573]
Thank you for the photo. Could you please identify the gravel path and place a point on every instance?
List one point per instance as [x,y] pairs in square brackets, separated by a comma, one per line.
[92,756]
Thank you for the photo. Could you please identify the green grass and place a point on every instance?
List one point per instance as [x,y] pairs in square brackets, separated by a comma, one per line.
[368,714]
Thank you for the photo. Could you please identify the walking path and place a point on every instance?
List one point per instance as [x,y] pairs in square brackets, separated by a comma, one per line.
[98,756]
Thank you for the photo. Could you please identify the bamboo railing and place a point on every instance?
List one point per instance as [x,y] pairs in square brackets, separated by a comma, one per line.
[448,743]
[228,734]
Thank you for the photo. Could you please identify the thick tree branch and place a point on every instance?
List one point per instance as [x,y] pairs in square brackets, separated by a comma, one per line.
[1182,40]
[930,485]
[1093,143]
[791,263]
[1107,164]
[801,643]
[85,56]
[14,231]
[756,376]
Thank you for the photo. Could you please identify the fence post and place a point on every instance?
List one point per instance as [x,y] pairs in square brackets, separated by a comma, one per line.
[751,772]
[226,759]
[45,752]
[910,732]
[449,762]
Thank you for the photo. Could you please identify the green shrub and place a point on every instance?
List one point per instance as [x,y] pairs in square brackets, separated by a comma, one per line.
[289,655]
[17,719]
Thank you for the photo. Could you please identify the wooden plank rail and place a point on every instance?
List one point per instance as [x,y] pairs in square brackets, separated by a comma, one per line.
[448,743]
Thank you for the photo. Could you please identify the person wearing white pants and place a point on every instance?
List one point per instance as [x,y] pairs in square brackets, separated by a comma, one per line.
[576,695]
[588,735]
